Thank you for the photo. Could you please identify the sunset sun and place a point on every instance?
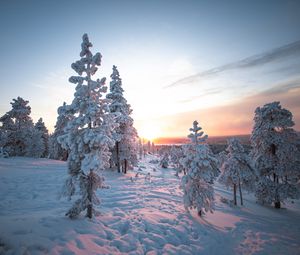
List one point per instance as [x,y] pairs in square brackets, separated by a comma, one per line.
[150,132]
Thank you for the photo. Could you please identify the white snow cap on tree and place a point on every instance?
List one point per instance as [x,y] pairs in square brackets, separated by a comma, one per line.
[275,154]
[195,136]
[201,167]
[88,135]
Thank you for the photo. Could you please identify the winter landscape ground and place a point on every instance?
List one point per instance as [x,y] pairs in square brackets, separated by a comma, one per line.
[139,214]
[149,127]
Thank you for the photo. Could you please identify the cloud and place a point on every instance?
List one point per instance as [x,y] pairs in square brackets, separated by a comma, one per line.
[286,51]
[282,87]
[206,93]
[235,118]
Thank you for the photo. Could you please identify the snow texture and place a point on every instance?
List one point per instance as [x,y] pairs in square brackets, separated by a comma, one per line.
[137,217]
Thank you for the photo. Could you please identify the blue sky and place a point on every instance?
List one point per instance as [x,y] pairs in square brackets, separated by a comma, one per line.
[155,44]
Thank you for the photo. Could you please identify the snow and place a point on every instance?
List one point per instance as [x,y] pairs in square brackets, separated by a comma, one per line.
[138,216]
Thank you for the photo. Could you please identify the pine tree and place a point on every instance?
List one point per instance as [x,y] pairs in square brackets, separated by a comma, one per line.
[164,162]
[125,150]
[153,148]
[40,126]
[6,133]
[196,137]
[128,149]
[56,151]
[176,154]
[275,154]
[17,124]
[88,133]
[202,170]
[237,170]
[35,146]
[140,148]
[149,147]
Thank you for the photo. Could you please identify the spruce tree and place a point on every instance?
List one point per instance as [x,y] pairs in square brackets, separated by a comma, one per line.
[35,146]
[176,154]
[201,167]
[56,151]
[40,126]
[125,149]
[17,125]
[164,162]
[88,135]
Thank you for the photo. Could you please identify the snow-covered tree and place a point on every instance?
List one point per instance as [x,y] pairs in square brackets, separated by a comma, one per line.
[237,170]
[221,156]
[164,161]
[56,151]
[128,149]
[196,136]
[140,148]
[17,124]
[35,146]
[201,166]
[5,131]
[3,153]
[153,150]
[88,135]
[176,154]
[40,126]
[275,154]
[149,147]
[125,150]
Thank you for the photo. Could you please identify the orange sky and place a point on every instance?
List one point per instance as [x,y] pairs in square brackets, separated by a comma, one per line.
[230,119]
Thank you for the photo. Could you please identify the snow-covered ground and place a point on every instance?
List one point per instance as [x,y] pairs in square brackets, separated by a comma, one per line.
[138,216]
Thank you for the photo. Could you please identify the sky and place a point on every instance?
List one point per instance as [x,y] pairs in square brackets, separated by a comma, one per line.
[214,61]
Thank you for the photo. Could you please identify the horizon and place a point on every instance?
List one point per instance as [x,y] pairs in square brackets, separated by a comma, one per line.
[185,140]
[215,64]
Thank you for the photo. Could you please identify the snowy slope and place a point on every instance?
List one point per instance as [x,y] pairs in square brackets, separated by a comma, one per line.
[138,216]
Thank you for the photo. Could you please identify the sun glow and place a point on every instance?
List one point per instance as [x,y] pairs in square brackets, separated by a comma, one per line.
[149,132]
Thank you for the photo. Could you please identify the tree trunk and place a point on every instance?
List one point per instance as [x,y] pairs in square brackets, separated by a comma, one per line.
[89,213]
[234,194]
[277,204]
[241,195]
[118,157]
[125,166]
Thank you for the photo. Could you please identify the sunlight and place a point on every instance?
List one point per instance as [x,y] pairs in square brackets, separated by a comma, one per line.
[149,131]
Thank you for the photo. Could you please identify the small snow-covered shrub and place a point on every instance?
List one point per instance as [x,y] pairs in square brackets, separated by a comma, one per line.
[3,153]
